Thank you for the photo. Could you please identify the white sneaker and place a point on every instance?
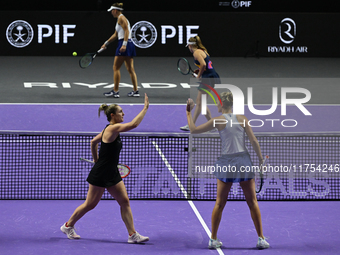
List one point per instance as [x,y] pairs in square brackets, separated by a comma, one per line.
[133,94]
[137,238]
[112,94]
[185,128]
[214,244]
[262,243]
[70,232]
[214,130]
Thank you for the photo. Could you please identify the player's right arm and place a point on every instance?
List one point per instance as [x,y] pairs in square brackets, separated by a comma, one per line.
[110,40]
[120,127]
[94,146]
[199,56]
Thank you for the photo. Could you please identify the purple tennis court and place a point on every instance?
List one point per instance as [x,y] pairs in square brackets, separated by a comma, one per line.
[43,180]
[32,227]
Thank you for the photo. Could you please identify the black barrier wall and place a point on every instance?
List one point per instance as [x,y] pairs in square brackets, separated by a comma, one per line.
[166,33]
[304,6]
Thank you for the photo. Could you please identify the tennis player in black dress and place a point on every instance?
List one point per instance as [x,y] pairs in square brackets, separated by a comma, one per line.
[105,174]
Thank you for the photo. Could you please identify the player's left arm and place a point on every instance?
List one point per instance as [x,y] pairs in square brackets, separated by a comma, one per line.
[122,21]
[252,138]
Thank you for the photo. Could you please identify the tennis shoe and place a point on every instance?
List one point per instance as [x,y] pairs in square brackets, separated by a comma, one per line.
[137,238]
[112,94]
[214,130]
[133,94]
[262,243]
[214,243]
[69,231]
[185,128]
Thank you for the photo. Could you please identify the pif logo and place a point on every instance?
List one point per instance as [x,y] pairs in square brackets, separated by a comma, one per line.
[19,33]
[143,34]
[236,4]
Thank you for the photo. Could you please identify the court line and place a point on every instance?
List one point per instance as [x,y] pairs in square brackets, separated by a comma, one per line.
[81,104]
[192,205]
[181,104]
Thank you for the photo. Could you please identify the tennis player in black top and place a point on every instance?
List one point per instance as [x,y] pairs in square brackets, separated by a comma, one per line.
[105,175]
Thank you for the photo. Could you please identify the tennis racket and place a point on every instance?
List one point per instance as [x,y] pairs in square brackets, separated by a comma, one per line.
[184,67]
[259,176]
[88,58]
[124,170]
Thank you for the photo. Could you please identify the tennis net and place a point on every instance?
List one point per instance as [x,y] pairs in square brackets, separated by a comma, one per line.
[164,166]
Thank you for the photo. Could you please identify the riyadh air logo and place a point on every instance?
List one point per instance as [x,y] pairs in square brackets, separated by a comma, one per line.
[143,34]
[19,33]
[287,30]
[287,35]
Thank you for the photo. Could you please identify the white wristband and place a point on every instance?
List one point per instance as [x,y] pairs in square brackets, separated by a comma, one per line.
[107,43]
[124,43]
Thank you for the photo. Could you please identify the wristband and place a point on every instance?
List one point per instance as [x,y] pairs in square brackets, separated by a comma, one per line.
[124,43]
[107,43]
[188,107]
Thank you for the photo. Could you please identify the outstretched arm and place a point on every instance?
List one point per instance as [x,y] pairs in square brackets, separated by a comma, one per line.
[200,129]
[135,122]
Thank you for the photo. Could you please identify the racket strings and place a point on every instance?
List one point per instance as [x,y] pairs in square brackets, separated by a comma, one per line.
[85,61]
[123,170]
[183,66]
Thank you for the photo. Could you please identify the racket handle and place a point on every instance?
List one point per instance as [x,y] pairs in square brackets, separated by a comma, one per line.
[265,160]
[194,74]
[86,160]
[100,50]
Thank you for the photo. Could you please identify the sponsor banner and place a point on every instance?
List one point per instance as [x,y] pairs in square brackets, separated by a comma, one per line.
[166,34]
[236,4]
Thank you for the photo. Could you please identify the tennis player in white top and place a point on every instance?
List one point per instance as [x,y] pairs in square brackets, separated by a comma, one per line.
[232,129]
[124,53]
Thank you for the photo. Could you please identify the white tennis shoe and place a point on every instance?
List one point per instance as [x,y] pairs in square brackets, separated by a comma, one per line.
[185,128]
[262,243]
[215,243]
[69,231]
[133,94]
[137,238]
[112,94]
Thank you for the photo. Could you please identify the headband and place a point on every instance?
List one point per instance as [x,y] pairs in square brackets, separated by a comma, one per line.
[114,8]
[190,43]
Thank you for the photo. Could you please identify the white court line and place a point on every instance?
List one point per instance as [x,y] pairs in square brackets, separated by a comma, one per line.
[192,205]
[85,104]
[181,104]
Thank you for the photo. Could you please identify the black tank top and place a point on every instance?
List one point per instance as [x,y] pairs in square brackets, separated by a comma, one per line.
[105,172]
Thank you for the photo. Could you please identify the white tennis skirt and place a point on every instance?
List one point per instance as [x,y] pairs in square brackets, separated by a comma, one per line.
[235,167]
